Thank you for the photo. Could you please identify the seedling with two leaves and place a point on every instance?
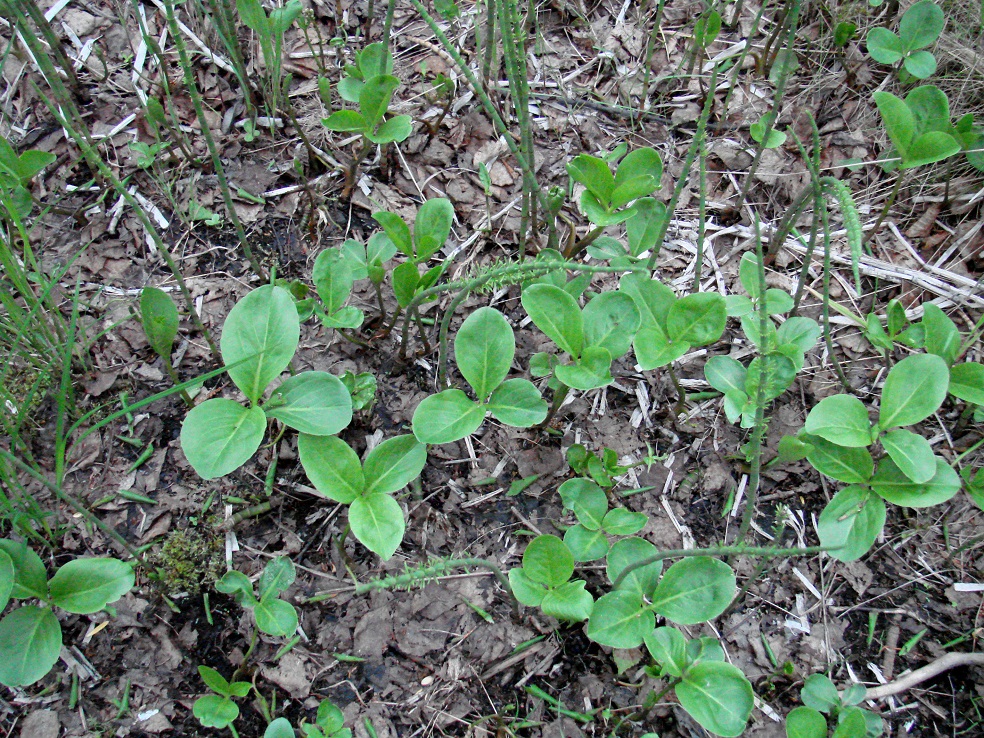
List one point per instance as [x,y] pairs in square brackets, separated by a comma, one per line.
[920,26]
[16,173]
[819,697]
[329,723]
[602,469]
[484,348]
[588,540]
[218,710]
[273,615]
[258,341]
[31,636]
[606,196]
[919,126]
[544,581]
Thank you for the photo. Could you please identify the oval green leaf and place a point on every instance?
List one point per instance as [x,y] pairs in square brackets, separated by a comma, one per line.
[851,522]
[517,402]
[586,544]
[394,463]
[669,647]
[548,561]
[315,403]
[620,620]
[611,321]
[841,419]
[697,319]
[160,320]
[718,696]
[622,522]
[483,349]
[30,641]
[30,576]
[914,389]
[805,722]
[446,417]
[851,465]
[892,484]
[6,578]
[967,382]
[279,728]
[332,466]
[570,601]
[555,313]
[694,590]
[377,521]
[220,435]
[85,586]
[593,370]
[275,617]
[641,581]
[432,227]
[911,453]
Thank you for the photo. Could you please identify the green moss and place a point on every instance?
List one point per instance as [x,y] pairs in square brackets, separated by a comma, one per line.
[190,560]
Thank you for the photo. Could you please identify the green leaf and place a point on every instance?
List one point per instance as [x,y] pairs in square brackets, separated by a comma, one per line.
[642,229]
[851,522]
[633,189]
[757,131]
[446,417]
[85,586]
[548,561]
[718,696]
[315,403]
[333,279]
[594,174]
[820,693]
[282,18]
[738,306]
[6,578]
[330,718]
[611,321]
[841,419]
[555,313]
[214,711]
[588,501]
[942,336]
[30,641]
[778,302]
[884,46]
[346,121]
[160,320]
[570,601]
[585,543]
[276,617]
[277,576]
[377,521]
[598,214]
[214,680]
[517,402]
[707,28]
[406,279]
[967,382]
[432,227]
[279,728]
[30,577]
[911,453]
[483,349]
[929,148]
[593,370]
[654,349]
[851,724]
[525,590]
[374,98]
[262,331]
[220,435]
[920,64]
[697,319]
[622,522]
[238,586]
[653,298]
[748,274]
[844,32]
[620,620]
[643,162]
[790,449]
[725,374]
[892,484]
[397,230]
[31,162]
[921,25]
[800,332]
[398,129]
[694,590]
[899,122]
[641,581]
[669,647]
[252,14]
[375,60]
[914,389]
[805,722]
[779,372]
[851,465]
[394,463]
[332,466]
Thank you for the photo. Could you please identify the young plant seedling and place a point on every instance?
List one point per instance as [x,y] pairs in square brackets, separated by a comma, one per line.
[258,340]
[159,317]
[16,173]
[606,196]
[218,710]
[592,338]
[897,329]
[329,723]
[918,126]
[270,30]
[544,581]
[362,387]
[483,350]
[715,693]
[920,26]
[837,435]
[273,616]
[334,469]
[588,540]
[31,636]
[757,131]
[602,469]
[820,697]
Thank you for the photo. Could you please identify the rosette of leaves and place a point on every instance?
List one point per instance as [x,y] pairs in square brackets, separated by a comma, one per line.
[897,329]
[588,540]
[602,469]
[30,635]
[362,387]
[273,615]
[544,581]
[218,710]
[820,697]
[431,229]
[16,173]
[836,440]
[919,126]
[920,26]
[671,326]
[258,340]
[370,84]
[713,692]
[334,469]
[484,348]
[606,196]
[592,337]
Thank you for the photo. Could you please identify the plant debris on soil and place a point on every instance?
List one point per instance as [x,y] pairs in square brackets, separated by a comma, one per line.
[449,657]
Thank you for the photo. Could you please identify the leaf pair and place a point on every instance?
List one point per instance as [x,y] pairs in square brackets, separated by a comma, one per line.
[484,349]
[218,710]
[819,696]
[431,229]
[588,540]
[918,126]
[273,616]
[370,84]
[715,693]
[336,472]
[30,636]
[593,338]
[258,341]
[671,326]
[606,195]
[543,580]
[741,387]
[920,26]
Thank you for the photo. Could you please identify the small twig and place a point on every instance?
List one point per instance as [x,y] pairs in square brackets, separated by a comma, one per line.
[925,673]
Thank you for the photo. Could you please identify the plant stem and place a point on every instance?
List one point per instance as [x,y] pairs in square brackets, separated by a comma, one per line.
[888,206]
[559,396]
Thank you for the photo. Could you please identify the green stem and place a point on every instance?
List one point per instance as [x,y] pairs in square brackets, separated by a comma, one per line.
[888,206]
[560,394]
